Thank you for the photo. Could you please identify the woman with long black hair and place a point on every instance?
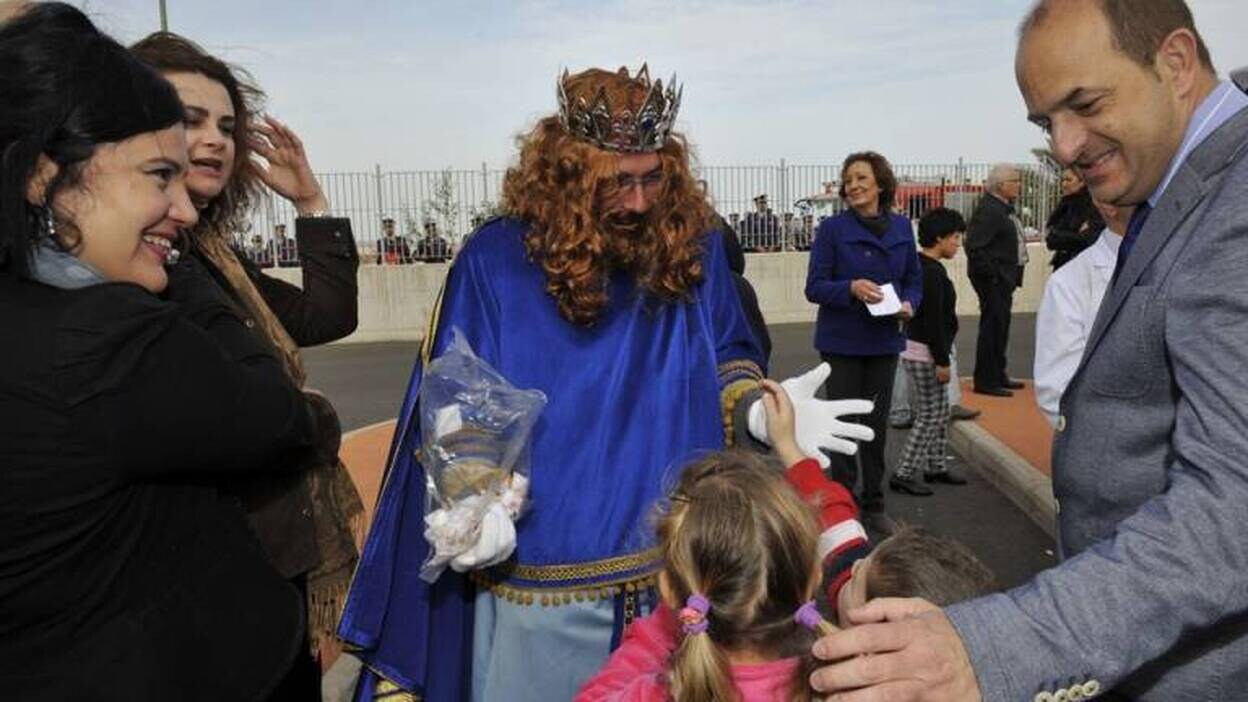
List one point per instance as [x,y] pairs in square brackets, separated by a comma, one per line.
[127,392]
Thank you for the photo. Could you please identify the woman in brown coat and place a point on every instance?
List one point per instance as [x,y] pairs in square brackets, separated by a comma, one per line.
[307,523]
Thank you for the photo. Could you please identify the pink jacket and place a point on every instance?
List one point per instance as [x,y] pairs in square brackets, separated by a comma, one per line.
[637,671]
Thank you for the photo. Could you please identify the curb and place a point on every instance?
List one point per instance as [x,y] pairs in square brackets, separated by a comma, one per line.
[1028,488]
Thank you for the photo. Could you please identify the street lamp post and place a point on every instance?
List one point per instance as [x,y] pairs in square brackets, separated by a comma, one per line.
[164,17]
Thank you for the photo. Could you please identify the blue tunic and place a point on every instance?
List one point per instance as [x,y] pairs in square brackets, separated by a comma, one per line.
[630,400]
[844,250]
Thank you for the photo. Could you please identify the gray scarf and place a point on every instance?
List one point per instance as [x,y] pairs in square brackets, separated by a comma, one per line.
[60,269]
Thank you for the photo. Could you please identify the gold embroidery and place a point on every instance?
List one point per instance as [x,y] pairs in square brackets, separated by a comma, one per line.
[554,597]
[747,366]
[729,398]
[580,571]
[386,691]
[623,568]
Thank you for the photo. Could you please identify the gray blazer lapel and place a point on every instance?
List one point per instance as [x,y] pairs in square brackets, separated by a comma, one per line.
[1188,188]
[1182,195]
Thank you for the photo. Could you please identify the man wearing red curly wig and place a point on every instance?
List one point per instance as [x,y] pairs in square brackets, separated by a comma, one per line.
[603,286]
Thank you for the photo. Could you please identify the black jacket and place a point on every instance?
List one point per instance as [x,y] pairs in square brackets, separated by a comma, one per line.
[277,502]
[992,242]
[123,573]
[1073,226]
[393,250]
[935,323]
[326,308]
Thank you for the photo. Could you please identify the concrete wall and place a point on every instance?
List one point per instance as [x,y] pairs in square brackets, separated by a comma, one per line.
[395,301]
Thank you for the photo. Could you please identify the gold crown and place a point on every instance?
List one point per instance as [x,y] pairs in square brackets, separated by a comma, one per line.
[596,122]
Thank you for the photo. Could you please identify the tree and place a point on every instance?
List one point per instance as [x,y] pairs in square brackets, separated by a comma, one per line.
[480,212]
[444,205]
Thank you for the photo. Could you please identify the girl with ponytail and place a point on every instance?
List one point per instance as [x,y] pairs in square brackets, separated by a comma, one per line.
[740,548]
[742,563]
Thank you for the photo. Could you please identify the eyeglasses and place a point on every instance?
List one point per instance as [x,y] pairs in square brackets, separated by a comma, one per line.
[648,181]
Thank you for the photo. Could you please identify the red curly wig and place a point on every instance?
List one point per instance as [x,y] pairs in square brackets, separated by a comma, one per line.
[559,188]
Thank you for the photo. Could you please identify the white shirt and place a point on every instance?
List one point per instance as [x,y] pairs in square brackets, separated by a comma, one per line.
[1072,297]
[1224,102]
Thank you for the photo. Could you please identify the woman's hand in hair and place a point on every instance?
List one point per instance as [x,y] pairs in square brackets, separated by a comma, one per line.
[288,172]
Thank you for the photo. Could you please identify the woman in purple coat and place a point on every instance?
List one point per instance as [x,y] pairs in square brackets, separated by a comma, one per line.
[854,256]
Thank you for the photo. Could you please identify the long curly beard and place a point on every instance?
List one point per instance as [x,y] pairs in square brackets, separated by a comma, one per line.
[625,235]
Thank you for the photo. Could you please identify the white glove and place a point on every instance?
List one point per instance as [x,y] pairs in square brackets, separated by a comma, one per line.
[818,423]
[495,542]
[469,538]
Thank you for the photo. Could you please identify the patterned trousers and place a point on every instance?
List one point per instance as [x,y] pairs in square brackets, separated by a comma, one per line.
[925,448]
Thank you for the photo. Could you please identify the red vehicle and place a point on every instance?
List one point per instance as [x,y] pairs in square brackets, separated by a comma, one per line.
[913,199]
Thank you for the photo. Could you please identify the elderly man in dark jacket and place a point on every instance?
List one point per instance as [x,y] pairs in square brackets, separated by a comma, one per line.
[995,255]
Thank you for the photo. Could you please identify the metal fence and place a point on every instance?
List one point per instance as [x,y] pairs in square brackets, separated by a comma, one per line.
[443,204]
[449,203]
[776,208]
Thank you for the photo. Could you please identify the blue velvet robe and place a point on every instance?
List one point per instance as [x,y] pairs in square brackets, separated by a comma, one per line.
[631,400]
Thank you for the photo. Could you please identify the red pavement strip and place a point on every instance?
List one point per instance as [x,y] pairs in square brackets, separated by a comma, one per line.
[364,451]
[1010,444]
[1016,421]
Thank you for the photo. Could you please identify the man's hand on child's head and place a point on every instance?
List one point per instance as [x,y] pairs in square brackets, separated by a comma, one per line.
[898,649]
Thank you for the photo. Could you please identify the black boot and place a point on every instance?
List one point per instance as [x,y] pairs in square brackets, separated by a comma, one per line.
[910,486]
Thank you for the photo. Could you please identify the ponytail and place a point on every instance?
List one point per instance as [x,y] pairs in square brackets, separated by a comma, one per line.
[700,672]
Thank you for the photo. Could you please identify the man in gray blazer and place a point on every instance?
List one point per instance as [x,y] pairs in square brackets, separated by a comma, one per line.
[1150,463]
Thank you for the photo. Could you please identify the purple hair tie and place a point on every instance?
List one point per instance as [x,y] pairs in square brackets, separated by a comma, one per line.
[808,616]
[693,616]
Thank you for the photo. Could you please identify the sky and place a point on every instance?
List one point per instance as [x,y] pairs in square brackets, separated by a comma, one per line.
[422,85]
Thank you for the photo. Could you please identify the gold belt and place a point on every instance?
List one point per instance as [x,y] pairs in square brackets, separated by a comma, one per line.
[550,585]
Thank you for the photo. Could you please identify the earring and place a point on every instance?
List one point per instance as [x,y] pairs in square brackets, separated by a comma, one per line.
[47,222]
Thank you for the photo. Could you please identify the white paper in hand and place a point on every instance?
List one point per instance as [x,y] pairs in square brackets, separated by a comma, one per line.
[888,306]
